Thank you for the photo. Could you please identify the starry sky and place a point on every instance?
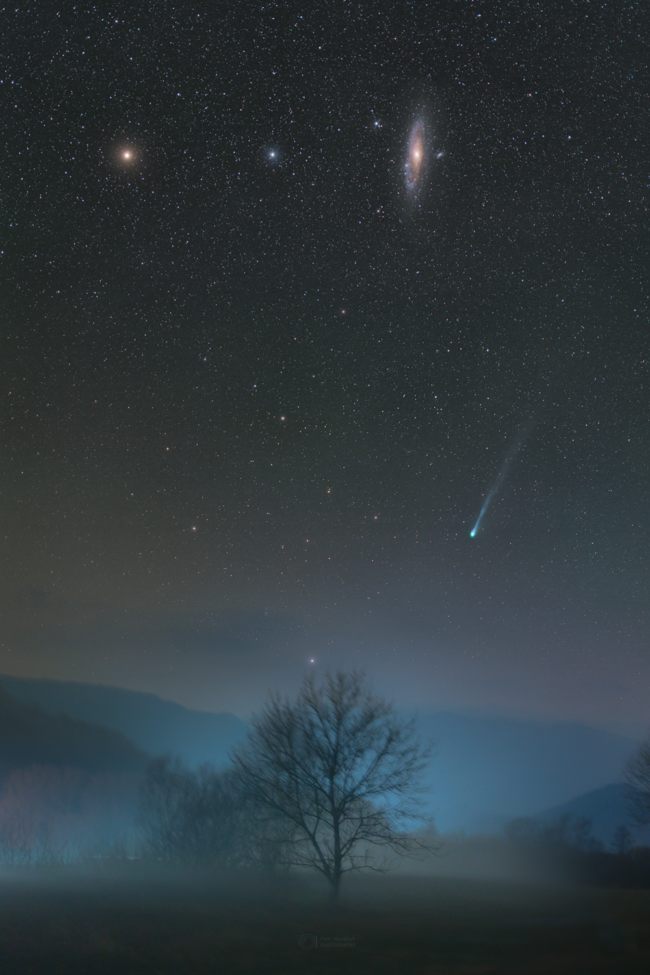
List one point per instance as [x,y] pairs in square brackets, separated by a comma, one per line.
[261,368]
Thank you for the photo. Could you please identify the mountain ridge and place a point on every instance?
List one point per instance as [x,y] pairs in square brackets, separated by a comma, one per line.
[29,735]
[487,768]
[154,724]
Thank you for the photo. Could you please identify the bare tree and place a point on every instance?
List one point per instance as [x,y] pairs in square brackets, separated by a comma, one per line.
[622,839]
[51,814]
[341,770]
[190,816]
[264,834]
[637,775]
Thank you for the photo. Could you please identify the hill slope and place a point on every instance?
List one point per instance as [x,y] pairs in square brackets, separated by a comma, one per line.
[31,736]
[155,725]
[486,770]
[490,769]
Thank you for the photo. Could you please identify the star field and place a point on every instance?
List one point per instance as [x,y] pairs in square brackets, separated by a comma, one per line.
[254,395]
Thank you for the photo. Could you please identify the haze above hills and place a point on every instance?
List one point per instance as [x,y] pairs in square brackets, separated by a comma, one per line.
[485,771]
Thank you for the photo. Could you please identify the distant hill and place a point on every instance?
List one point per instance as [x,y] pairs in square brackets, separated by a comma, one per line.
[31,736]
[155,725]
[488,770]
[607,809]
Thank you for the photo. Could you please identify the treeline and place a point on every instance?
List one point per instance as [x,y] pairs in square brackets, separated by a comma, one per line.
[568,847]
[207,818]
[330,781]
[52,815]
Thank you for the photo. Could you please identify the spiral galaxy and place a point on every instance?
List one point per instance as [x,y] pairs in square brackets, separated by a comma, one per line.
[416,158]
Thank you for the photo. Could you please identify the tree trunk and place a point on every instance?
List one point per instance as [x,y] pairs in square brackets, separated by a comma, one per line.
[335,889]
[335,876]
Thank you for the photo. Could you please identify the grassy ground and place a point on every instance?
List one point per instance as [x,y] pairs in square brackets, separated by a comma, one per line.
[386,925]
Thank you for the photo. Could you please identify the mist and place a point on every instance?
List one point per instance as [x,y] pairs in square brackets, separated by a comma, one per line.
[324,475]
[111,854]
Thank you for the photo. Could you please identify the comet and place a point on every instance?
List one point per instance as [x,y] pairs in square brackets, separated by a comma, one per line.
[486,505]
[517,445]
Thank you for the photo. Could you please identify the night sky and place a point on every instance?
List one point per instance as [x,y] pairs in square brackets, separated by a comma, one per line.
[288,290]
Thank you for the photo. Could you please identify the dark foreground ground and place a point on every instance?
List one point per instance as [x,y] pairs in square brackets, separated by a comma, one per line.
[387,925]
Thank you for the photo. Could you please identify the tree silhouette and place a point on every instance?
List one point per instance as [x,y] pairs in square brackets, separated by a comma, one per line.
[637,775]
[341,770]
[190,817]
[622,839]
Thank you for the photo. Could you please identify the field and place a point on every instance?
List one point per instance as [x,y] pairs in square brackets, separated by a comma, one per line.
[173,925]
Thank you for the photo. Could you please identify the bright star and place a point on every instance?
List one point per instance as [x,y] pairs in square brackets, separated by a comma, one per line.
[272,155]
